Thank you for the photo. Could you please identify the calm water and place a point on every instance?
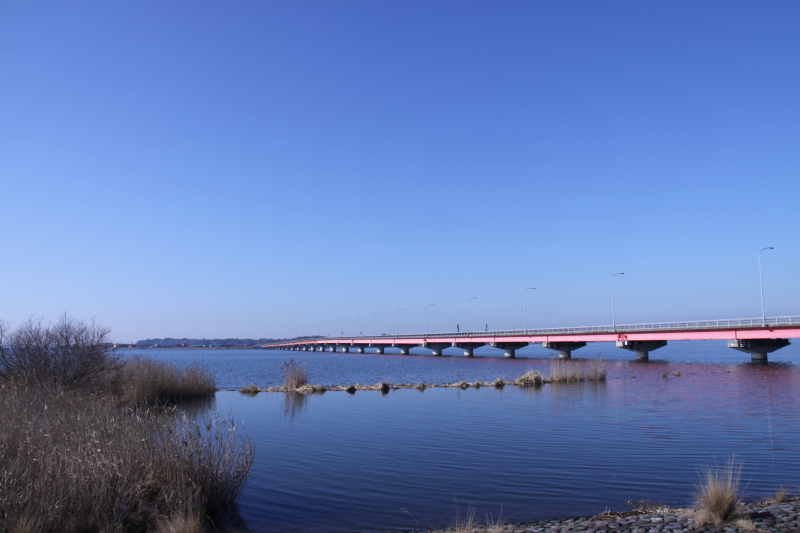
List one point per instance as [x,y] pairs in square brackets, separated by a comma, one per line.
[410,459]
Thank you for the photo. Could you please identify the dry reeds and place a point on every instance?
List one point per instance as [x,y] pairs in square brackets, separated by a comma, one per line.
[74,462]
[147,382]
[531,378]
[570,371]
[294,374]
[717,494]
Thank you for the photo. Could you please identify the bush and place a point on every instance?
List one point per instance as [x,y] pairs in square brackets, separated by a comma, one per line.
[531,378]
[70,353]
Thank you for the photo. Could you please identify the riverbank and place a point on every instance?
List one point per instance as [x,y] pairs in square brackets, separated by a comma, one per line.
[760,516]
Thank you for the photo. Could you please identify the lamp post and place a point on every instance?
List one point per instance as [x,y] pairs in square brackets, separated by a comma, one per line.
[341,326]
[397,322]
[319,330]
[468,299]
[526,306]
[613,313]
[357,333]
[426,318]
[373,325]
[329,327]
[761,283]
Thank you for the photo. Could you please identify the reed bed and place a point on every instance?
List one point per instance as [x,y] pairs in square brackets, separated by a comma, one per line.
[92,443]
[531,378]
[74,462]
[571,371]
[146,382]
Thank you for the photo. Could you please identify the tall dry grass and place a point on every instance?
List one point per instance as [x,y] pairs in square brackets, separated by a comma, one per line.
[572,371]
[294,374]
[76,462]
[717,494]
[142,381]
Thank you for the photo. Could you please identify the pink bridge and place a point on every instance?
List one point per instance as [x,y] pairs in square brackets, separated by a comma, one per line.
[755,336]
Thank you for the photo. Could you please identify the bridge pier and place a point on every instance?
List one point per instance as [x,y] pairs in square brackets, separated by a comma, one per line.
[468,347]
[405,349]
[758,348]
[564,348]
[642,348]
[436,347]
[509,348]
[378,348]
[359,349]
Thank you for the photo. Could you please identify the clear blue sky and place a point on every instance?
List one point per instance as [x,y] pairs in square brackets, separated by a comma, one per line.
[245,169]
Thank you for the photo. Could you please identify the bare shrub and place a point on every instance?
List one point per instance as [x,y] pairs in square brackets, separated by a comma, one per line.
[294,374]
[717,494]
[498,383]
[144,381]
[531,378]
[77,462]
[70,353]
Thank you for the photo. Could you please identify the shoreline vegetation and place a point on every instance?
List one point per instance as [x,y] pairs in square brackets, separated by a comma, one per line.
[95,443]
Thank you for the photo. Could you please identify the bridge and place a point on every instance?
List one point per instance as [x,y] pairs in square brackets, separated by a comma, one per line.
[756,336]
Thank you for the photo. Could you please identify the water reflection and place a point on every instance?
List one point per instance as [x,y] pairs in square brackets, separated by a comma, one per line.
[294,403]
[194,407]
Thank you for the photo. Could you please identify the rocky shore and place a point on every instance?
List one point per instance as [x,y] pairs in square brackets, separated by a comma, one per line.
[763,517]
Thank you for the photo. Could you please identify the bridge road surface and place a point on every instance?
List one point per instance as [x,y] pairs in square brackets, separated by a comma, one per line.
[755,336]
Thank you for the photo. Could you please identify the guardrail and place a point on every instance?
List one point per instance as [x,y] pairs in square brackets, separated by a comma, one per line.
[779,321]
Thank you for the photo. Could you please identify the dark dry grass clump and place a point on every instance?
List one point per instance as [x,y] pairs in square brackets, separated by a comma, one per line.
[249,389]
[294,374]
[717,494]
[531,378]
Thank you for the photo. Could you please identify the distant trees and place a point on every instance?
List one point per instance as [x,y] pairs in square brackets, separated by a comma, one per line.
[69,353]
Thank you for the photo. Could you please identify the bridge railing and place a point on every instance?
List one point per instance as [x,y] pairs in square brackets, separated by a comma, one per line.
[779,321]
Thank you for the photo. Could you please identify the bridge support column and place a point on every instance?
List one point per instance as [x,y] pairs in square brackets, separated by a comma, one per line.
[379,349]
[332,348]
[436,347]
[509,348]
[345,349]
[468,347]
[758,348]
[405,349]
[359,349]
[642,348]
[564,348]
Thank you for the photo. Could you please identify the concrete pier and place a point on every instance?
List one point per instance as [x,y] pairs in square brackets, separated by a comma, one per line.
[758,348]
[468,347]
[509,348]
[564,348]
[642,348]
[435,347]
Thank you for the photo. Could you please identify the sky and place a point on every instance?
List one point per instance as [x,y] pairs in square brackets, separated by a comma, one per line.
[268,169]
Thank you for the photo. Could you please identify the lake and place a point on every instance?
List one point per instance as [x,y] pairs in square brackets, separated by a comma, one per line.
[409,459]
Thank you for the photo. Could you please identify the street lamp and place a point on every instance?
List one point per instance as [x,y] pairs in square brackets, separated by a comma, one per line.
[526,306]
[341,326]
[397,322]
[613,314]
[329,327]
[319,330]
[761,282]
[426,318]
[468,299]
[373,325]
[357,333]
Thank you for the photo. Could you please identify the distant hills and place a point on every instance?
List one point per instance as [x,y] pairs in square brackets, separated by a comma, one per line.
[204,343]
